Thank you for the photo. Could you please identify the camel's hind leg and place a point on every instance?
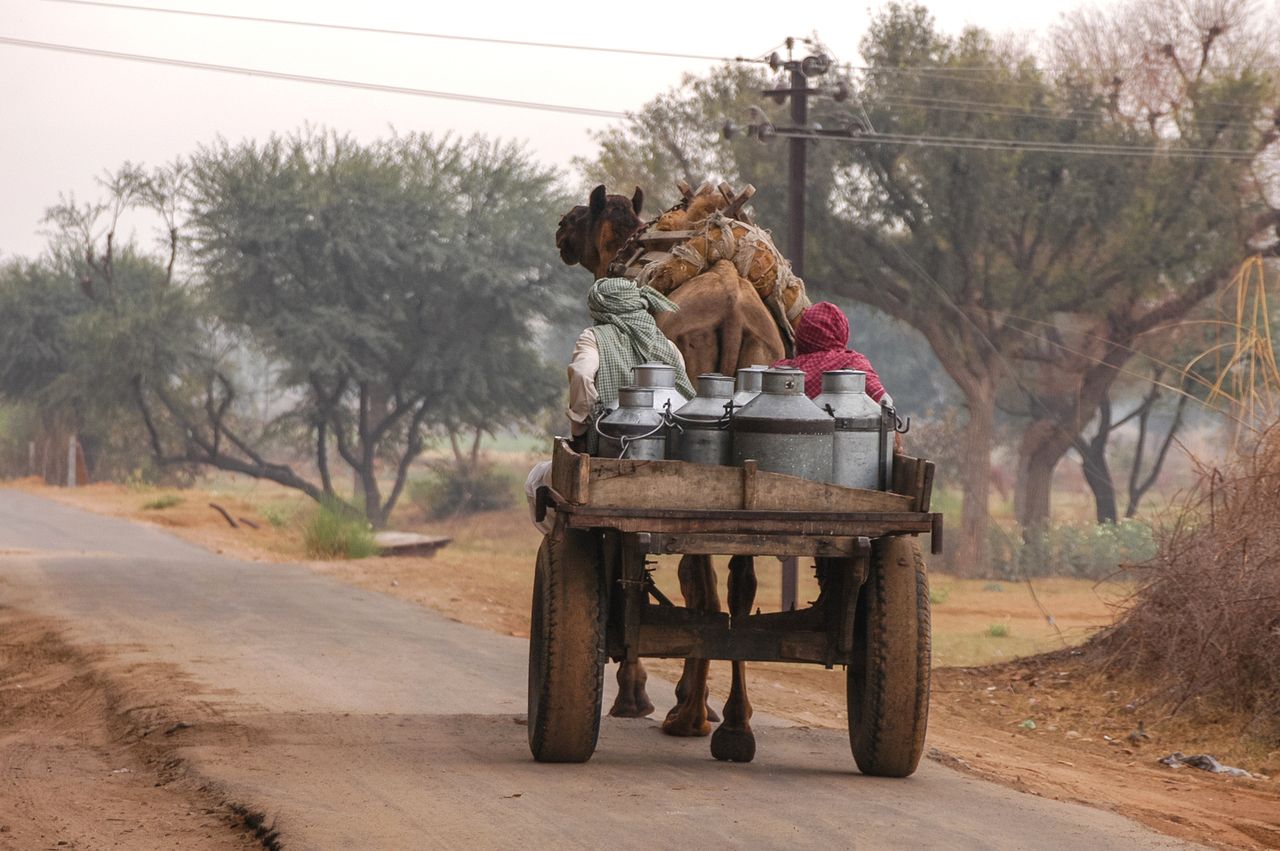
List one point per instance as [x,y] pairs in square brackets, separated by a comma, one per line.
[691,715]
[733,740]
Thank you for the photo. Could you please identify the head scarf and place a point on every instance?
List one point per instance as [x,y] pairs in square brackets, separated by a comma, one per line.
[822,344]
[627,336]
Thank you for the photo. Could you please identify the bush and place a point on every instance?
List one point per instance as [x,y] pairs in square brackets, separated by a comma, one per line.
[1205,623]
[999,630]
[451,491]
[335,531]
[161,502]
[1088,551]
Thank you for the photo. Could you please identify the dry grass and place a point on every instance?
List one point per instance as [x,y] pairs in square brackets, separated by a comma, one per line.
[1204,629]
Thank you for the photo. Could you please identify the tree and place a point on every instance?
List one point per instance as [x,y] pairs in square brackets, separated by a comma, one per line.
[393,285]
[1040,265]
[63,331]
[1178,77]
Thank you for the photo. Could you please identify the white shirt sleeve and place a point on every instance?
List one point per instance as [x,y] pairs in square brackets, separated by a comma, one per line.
[582,381]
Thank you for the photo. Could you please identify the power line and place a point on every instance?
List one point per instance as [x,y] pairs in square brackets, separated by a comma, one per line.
[411,33]
[1038,112]
[323,81]
[988,144]
[973,143]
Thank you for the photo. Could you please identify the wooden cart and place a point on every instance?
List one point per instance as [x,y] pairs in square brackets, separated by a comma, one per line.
[593,596]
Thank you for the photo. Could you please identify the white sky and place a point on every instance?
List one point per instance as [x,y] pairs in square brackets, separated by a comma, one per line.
[65,118]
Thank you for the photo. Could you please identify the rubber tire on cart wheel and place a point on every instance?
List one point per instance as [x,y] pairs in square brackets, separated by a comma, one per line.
[566,649]
[888,686]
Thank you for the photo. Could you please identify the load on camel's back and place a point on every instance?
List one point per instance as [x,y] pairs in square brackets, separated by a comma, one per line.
[738,297]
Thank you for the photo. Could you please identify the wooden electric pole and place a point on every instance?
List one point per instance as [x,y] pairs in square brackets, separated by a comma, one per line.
[799,71]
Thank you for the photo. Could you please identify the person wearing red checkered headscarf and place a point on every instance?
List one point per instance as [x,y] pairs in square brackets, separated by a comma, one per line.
[822,344]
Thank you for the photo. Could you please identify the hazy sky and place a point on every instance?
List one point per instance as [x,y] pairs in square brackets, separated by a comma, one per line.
[65,118]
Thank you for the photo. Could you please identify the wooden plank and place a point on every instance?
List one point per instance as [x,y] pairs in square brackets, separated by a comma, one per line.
[749,470]
[820,546]
[741,522]
[677,484]
[570,473]
[926,496]
[409,543]
[698,641]
[917,492]
[666,236]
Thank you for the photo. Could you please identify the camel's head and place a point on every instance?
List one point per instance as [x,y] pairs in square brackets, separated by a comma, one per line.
[591,234]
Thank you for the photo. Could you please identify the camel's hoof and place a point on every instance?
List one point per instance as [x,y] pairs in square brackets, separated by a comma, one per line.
[712,715]
[733,745]
[681,727]
[631,707]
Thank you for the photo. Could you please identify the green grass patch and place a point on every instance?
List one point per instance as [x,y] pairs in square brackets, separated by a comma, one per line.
[999,630]
[335,532]
[938,596]
[277,515]
[160,503]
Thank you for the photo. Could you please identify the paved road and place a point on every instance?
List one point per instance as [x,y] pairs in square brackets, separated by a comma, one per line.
[361,721]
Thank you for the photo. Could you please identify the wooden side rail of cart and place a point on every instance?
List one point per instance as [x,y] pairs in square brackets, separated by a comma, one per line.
[736,510]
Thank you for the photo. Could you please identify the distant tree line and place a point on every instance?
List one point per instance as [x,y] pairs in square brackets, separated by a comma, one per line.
[393,286]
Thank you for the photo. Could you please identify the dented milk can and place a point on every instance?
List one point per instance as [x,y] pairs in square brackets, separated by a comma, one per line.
[860,459]
[635,430]
[700,433]
[782,430]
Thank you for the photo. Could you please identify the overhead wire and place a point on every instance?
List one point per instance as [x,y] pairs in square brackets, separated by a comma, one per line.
[985,143]
[509,42]
[874,137]
[1040,113]
[960,73]
[323,81]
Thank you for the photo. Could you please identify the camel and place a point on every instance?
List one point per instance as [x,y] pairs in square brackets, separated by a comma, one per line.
[722,325]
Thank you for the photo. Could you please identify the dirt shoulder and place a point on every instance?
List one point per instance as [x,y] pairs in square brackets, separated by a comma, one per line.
[1076,748]
[84,764]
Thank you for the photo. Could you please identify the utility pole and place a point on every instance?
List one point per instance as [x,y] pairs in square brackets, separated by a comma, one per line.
[796,167]
[799,71]
[798,90]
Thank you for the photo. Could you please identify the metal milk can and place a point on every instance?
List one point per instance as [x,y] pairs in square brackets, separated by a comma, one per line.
[863,448]
[636,430]
[661,379]
[783,431]
[701,430]
[748,385]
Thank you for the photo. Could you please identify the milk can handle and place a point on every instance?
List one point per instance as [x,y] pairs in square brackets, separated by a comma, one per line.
[627,441]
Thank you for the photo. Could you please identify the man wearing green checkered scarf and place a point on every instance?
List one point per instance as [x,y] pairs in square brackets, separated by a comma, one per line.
[624,335]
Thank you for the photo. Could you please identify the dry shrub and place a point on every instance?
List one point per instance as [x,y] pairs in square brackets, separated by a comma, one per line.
[1205,623]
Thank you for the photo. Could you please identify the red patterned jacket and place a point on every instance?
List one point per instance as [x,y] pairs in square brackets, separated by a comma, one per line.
[822,344]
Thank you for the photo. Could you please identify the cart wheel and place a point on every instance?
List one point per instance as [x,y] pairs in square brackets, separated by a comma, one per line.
[888,685]
[566,649]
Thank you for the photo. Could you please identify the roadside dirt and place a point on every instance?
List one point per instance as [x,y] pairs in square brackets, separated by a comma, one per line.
[85,765]
[1078,749]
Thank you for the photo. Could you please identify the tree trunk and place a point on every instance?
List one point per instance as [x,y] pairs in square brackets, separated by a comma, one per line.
[1093,457]
[970,556]
[1098,477]
[1041,448]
